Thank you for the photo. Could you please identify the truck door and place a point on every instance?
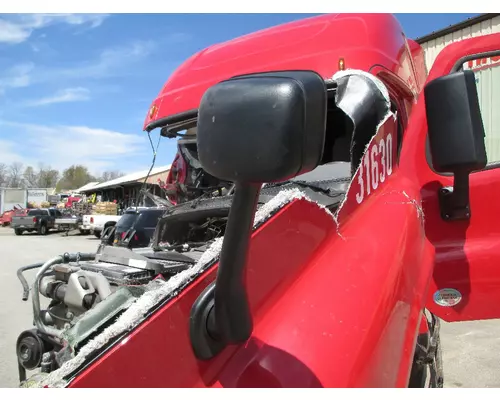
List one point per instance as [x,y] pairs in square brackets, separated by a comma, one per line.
[466,278]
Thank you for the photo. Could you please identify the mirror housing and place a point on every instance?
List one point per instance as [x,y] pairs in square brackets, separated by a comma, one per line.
[456,137]
[252,129]
[264,127]
[456,131]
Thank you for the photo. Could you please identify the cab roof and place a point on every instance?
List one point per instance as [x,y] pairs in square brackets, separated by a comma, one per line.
[318,43]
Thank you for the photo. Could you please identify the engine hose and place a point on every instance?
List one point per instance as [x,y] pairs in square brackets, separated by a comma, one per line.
[65,258]
[26,288]
[36,297]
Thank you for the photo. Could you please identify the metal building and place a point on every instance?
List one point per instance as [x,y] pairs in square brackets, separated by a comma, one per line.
[434,42]
[486,69]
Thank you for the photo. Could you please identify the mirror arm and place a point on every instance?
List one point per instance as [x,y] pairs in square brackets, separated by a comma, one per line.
[221,315]
[454,201]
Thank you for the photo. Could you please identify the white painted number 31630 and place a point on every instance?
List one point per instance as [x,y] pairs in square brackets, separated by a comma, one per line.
[375,167]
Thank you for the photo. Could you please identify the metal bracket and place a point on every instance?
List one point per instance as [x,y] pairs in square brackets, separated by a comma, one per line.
[452,208]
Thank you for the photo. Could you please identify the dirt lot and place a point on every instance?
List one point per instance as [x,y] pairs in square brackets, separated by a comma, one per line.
[471,350]
[15,314]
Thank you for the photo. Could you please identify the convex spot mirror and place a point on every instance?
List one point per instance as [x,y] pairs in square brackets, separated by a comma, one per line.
[454,121]
[264,127]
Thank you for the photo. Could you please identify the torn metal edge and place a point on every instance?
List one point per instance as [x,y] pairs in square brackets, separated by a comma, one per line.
[380,85]
[135,314]
[383,89]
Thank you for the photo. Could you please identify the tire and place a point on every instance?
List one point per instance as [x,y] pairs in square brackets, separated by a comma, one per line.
[437,376]
[430,373]
[43,230]
[18,232]
[97,234]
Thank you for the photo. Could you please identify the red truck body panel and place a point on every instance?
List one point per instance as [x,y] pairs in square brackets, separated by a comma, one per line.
[467,253]
[364,41]
[334,303]
[314,288]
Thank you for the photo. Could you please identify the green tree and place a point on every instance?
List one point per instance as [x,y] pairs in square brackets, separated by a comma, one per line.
[47,177]
[74,177]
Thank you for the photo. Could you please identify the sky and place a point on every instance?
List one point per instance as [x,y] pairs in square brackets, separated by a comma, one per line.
[75,88]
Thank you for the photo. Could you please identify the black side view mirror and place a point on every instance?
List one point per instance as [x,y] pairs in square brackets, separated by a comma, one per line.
[456,137]
[252,129]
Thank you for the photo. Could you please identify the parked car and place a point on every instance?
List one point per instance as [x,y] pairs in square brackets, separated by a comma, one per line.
[39,220]
[135,228]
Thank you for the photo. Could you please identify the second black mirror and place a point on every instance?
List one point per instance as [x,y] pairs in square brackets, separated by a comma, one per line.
[456,132]
[456,137]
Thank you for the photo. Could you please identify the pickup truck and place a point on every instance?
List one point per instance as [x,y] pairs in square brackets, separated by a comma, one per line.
[39,220]
[96,223]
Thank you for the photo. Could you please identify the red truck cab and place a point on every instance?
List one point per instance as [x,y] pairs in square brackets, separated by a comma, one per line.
[307,295]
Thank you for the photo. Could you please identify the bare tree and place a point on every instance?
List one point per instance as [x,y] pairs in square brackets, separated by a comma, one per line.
[30,177]
[110,175]
[4,175]
[15,175]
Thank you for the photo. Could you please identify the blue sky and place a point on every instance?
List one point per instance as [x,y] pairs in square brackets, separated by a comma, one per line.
[75,88]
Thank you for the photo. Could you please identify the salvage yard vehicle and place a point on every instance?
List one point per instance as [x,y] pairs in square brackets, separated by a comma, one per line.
[96,223]
[135,228]
[6,217]
[68,223]
[187,180]
[360,217]
[40,220]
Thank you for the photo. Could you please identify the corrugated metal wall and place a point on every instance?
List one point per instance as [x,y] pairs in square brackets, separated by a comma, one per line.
[434,46]
[488,88]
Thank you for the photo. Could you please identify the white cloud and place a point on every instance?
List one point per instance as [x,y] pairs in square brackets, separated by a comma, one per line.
[62,96]
[17,28]
[62,146]
[16,77]
[109,63]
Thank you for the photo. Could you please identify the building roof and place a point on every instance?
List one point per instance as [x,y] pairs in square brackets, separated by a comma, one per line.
[134,177]
[455,27]
[87,186]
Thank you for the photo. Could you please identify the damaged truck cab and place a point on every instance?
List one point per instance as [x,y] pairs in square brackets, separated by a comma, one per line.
[348,210]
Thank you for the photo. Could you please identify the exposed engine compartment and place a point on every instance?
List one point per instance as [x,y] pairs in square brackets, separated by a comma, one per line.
[86,293]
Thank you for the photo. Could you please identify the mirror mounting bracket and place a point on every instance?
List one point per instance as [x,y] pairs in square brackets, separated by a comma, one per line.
[454,201]
[221,315]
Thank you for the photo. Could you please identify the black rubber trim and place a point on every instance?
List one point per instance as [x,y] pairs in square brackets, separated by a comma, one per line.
[204,346]
[173,119]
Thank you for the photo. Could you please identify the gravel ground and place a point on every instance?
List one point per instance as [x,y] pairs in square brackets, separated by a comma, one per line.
[471,350]
[15,314]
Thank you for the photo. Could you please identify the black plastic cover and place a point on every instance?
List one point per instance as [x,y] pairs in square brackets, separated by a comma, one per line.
[456,131]
[264,127]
